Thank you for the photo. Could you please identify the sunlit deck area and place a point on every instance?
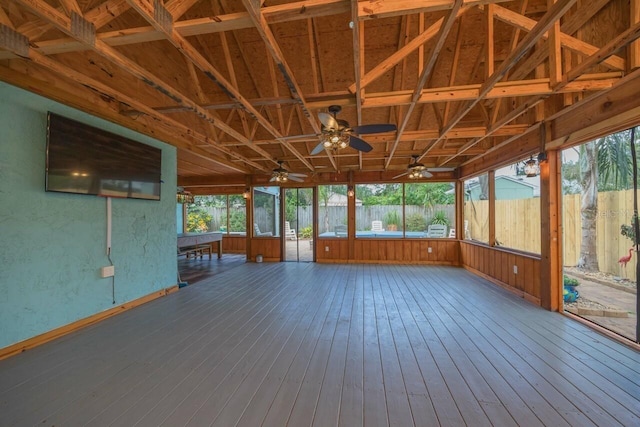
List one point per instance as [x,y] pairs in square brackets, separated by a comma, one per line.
[278,344]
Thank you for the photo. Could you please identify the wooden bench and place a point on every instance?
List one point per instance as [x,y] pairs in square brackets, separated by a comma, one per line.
[195,251]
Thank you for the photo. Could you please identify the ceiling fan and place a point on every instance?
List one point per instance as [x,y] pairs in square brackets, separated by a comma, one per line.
[280,174]
[417,170]
[337,134]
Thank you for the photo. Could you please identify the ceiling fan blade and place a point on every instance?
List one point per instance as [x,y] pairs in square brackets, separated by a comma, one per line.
[426,174]
[295,178]
[298,175]
[328,121]
[379,128]
[318,149]
[359,144]
[398,176]
[441,169]
[273,178]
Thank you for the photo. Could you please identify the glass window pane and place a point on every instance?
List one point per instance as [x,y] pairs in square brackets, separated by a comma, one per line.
[237,215]
[332,211]
[379,210]
[517,209]
[430,210]
[476,208]
[205,213]
[266,211]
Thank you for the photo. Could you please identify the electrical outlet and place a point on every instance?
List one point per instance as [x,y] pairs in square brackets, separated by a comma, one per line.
[515,269]
[429,249]
[326,248]
[107,271]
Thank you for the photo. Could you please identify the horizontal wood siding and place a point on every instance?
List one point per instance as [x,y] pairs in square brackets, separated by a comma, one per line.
[443,251]
[497,265]
[268,247]
[234,244]
[338,250]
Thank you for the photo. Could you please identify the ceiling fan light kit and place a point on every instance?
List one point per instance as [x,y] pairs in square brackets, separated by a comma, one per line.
[337,134]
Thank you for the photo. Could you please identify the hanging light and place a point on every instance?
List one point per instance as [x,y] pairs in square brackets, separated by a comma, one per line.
[184,197]
[531,168]
[350,191]
[335,140]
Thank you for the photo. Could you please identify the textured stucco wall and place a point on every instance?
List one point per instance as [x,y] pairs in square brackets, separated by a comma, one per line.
[52,245]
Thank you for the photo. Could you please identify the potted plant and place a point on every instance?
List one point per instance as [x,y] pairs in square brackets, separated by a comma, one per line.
[392,220]
[570,293]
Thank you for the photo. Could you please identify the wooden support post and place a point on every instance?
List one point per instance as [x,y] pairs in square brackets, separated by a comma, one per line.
[551,232]
[460,212]
[492,207]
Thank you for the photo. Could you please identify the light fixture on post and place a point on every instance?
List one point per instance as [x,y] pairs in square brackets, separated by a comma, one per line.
[350,191]
[531,168]
[184,197]
[246,193]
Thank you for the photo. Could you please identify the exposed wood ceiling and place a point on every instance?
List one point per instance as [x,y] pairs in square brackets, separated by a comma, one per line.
[237,85]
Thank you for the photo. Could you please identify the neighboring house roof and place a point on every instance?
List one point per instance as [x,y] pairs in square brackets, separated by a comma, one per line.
[530,183]
[340,200]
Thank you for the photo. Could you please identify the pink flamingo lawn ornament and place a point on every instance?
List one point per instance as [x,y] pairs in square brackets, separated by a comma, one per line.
[625,259]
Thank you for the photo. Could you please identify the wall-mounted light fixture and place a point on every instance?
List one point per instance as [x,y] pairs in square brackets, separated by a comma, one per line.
[531,168]
[246,193]
[350,191]
[184,197]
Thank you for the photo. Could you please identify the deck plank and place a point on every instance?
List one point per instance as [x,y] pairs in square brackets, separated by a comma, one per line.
[328,345]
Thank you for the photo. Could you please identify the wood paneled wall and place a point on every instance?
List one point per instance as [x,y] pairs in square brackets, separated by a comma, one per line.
[497,265]
[234,244]
[268,247]
[393,251]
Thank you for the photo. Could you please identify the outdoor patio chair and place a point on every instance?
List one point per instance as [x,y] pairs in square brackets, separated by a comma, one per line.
[341,230]
[289,232]
[437,230]
[258,233]
[376,226]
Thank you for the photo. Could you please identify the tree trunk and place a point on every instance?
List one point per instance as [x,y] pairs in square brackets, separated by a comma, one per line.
[588,259]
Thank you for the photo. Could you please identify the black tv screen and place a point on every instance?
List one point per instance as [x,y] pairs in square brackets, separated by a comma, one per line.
[83,159]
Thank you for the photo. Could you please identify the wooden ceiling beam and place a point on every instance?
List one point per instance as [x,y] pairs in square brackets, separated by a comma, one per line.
[449,19]
[106,12]
[386,9]
[509,89]
[63,23]
[193,27]
[553,14]
[267,36]
[152,15]
[402,53]
[180,132]
[566,41]
[177,8]
[624,39]
[4,19]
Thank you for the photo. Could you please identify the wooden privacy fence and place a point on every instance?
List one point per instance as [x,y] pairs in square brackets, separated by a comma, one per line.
[518,227]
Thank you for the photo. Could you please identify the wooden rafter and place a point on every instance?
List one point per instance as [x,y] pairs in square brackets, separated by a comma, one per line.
[177,8]
[622,40]
[449,19]
[386,9]
[267,36]
[553,14]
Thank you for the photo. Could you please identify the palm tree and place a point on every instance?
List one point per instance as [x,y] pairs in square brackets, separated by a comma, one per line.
[605,165]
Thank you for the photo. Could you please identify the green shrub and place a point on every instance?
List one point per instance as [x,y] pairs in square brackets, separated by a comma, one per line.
[392,217]
[570,281]
[306,232]
[416,222]
[440,217]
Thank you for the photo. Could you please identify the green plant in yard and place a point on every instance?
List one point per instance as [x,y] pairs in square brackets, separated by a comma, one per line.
[392,218]
[440,217]
[198,221]
[416,222]
[570,281]
[306,232]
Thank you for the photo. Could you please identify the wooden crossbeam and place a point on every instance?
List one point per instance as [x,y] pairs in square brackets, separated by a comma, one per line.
[449,19]
[386,9]
[553,14]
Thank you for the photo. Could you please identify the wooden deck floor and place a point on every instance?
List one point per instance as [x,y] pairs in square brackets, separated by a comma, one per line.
[328,345]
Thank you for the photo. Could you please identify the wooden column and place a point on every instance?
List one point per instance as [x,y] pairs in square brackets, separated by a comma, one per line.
[551,230]
[459,210]
[491,177]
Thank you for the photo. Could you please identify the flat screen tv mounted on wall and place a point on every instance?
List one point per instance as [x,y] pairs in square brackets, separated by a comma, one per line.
[82,159]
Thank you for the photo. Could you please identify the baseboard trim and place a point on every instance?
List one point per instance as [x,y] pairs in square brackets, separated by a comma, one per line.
[518,292]
[30,343]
